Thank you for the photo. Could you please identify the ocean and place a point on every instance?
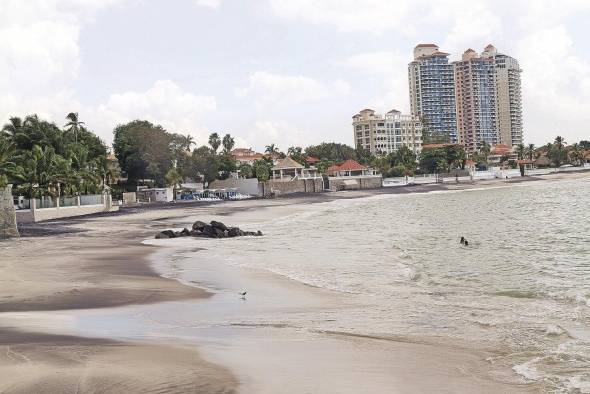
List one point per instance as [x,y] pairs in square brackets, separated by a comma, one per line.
[520,290]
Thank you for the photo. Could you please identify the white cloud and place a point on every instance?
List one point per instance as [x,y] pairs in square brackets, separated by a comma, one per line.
[268,88]
[282,134]
[208,3]
[164,103]
[389,68]
[40,54]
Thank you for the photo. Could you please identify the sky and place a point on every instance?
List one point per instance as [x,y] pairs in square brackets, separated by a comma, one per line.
[288,72]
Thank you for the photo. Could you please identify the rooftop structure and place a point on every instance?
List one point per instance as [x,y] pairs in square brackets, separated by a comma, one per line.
[432,91]
[288,169]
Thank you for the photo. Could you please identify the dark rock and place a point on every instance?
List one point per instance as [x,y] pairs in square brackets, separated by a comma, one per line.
[233,232]
[208,231]
[259,233]
[198,225]
[196,233]
[219,233]
[185,232]
[166,234]
[218,225]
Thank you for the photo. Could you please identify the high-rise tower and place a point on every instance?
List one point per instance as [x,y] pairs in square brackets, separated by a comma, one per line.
[432,92]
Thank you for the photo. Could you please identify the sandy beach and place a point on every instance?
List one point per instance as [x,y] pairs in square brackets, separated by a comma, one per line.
[98,266]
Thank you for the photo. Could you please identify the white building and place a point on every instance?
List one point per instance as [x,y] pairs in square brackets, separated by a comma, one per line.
[382,135]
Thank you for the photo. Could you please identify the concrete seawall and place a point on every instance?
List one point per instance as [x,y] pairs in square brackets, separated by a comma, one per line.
[8,227]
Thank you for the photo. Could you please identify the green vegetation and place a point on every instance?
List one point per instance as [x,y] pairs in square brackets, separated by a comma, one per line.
[39,158]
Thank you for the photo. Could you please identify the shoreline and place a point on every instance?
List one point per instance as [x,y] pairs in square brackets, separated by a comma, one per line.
[105,266]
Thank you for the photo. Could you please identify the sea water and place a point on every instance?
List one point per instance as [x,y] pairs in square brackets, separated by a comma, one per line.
[521,289]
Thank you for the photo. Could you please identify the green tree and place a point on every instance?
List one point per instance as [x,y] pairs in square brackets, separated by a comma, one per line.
[246,170]
[520,151]
[143,150]
[228,144]
[531,151]
[485,149]
[577,154]
[8,167]
[556,151]
[332,152]
[73,124]
[262,169]
[173,178]
[271,149]
[214,142]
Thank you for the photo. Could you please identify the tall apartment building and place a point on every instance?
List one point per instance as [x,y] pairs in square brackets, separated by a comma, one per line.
[432,91]
[488,99]
[475,91]
[382,135]
[472,100]
[508,97]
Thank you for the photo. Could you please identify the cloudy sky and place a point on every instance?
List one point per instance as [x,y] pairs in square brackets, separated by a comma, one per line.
[289,72]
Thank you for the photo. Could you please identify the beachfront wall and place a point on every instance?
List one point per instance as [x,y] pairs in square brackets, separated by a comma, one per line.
[355,182]
[279,188]
[245,186]
[94,204]
[8,227]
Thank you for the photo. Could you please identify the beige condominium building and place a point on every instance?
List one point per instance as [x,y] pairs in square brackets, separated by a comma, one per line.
[383,134]
[508,97]
[488,99]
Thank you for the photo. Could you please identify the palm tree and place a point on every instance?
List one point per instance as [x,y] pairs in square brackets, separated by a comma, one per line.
[559,142]
[188,141]
[214,141]
[531,151]
[13,127]
[485,150]
[7,165]
[271,149]
[228,144]
[173,178]
[577,154]
[556,151]
[520,151]
[74,124]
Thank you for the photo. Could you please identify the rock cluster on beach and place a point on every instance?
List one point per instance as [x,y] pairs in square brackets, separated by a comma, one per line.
[211,230]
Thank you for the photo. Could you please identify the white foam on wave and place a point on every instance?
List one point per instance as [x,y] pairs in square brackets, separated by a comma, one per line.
[578,384]
[527,370]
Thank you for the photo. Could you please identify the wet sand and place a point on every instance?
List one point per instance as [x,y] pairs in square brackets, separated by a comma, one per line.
[104,265]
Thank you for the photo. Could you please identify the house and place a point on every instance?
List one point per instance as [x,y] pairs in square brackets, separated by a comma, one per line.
[312,160]
[288,169]
[246,155]
[352,175]
[526,164]
[349,168]
[161,194]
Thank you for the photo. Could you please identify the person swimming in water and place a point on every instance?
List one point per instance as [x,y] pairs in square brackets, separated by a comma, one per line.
[462,241]
[466,243]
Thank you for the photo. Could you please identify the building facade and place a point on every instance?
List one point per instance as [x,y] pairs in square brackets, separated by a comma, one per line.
[469,101]
[475,92]
[432,91]
[508,97]
[488,99]
[382,135]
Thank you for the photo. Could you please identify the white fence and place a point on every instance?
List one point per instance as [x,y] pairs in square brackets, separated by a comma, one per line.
[48,208]
[493,173]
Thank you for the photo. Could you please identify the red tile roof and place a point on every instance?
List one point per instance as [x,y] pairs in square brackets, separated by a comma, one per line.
[348,165]
[426,46]
[311,159]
